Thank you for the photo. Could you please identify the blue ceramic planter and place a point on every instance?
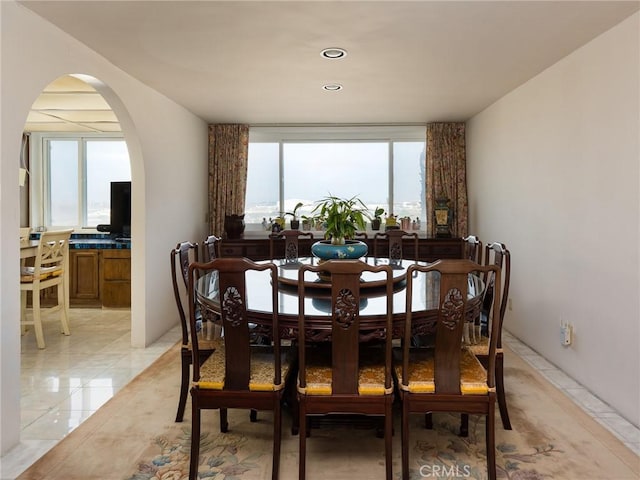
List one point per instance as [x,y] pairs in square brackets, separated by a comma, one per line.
[350,250]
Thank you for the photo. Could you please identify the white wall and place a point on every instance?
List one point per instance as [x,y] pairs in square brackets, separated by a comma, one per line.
[168,149]
[553,171]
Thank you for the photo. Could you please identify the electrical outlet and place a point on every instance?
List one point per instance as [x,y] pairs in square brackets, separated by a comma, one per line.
[565,334]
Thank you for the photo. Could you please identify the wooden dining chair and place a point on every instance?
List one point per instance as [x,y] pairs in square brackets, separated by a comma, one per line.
[50,269]
[447,377]
[182,256]
[473,249]
[239,374]
[24,234]
[211,248]
[495,254]
[473,252]
[395,239]
[345,376]
[291,244]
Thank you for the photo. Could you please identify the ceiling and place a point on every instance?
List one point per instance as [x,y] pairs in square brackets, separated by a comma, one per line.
[260,63]
[70,105]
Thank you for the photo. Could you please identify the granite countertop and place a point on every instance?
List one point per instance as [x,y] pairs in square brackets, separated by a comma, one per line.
[93,241]
[98,243]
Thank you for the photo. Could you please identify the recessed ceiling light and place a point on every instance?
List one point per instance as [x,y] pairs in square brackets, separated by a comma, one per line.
[333,53]
[332,87]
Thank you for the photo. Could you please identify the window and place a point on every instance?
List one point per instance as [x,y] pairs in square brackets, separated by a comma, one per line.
[77,174]
[383,166]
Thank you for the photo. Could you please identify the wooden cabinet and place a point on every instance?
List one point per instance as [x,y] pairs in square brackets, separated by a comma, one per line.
[84,280]
[115,278]
[98,278]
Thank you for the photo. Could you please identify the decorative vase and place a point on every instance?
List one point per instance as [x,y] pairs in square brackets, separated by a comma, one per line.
[234,226]
[375,224]
[351,249]
[295,224]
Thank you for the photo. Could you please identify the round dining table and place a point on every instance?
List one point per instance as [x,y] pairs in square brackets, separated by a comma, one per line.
[318,300]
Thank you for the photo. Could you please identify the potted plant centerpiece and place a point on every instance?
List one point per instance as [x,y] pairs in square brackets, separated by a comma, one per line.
[295,223]
[342,218]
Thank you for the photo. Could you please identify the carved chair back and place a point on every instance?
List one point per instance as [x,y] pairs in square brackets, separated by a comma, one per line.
[496,254]
[291,249]
[211,248]
[473,249]
[395,238]
[182,256]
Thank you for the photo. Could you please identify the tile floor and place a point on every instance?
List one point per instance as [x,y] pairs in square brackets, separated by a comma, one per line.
[65,383]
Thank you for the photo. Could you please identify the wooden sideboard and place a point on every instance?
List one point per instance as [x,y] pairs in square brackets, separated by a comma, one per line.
[257,248]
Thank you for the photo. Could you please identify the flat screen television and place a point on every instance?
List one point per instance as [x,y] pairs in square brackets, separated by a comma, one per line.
[120,224]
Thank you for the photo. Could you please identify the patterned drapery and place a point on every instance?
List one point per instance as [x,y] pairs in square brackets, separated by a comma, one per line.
[228,152]
[447,174]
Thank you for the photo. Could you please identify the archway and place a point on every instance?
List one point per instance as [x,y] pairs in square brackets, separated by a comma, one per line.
[118,111]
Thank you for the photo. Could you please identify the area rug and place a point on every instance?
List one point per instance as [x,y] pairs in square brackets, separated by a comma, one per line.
[134,437]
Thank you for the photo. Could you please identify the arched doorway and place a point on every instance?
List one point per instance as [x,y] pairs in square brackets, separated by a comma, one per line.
[75,374]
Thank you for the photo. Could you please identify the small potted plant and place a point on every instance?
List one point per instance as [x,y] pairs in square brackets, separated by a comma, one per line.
[391,222]
[295,223]
[307,222]
[377,221]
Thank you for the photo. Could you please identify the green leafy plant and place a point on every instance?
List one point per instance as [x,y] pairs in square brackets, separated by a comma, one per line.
[342,217]
[378,212]
[294,213]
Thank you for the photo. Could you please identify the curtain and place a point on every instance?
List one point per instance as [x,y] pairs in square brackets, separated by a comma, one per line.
[447,174]
[228,152]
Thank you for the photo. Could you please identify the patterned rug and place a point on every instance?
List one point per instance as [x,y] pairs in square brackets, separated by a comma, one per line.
[133,437]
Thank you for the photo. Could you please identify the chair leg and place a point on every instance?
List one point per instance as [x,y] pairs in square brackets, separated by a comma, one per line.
[37,319]
[502,399]
[303,441]
[64,309]
[195,438]
[184,385]
[464,425]
[295,414]
[253,415]
[491,442]
[466,337]
[23,312]
[277,434]
[388,435]
[405,439]
[224,424]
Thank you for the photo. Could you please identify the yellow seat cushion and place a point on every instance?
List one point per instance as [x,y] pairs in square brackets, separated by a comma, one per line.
[27,273]
[370,377]
[212,371]
[473,376]
[482,347]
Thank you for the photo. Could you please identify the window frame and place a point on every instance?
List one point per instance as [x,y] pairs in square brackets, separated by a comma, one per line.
[336,134]
[40,175]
